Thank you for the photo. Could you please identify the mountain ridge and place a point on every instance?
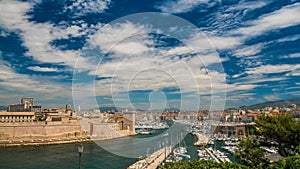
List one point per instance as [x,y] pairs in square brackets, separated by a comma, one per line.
[278,103]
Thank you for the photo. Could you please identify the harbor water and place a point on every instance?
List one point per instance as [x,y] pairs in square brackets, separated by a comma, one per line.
[60,156]
[94,156]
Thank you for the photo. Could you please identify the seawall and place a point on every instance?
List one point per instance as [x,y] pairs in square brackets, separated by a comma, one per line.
[40,133]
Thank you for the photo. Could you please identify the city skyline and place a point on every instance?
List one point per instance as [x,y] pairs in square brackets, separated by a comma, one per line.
[65,51]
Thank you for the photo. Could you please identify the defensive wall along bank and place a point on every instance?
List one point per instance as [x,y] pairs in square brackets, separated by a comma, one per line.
[32,130]
[33,133]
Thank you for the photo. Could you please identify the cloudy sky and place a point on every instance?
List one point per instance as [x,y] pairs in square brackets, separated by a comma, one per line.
[188,54]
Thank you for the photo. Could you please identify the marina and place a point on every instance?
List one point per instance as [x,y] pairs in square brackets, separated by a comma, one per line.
[218,148]
[152,161]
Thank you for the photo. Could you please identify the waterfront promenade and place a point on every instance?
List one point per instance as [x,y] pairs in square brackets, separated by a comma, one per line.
[152,161]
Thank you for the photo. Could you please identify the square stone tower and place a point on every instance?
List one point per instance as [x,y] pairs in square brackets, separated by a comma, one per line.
[129,121]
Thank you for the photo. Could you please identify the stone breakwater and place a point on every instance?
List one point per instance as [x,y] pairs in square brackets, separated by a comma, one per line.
[41,133]
[201,139]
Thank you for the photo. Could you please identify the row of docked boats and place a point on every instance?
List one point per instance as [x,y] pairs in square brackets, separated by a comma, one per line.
[224,137]
[143,127]
[230,149]
[178,154]
[204,155]
[230,145]
[221,156]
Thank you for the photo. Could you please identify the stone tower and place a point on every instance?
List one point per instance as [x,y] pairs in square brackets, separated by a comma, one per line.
[129,121]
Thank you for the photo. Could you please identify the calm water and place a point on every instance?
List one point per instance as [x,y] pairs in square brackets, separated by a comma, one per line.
[60,156]
[66,156]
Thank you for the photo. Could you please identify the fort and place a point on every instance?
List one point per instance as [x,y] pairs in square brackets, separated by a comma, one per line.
[26,124]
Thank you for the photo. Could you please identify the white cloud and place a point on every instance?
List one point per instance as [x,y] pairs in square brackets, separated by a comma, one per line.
[282,18]
[37,36]
[295,72]
[42,69]
[23,83]
[293,55]
[199,42]
[225,42]
[155,73]
[288,38]
[130,48]
[248,50]
[178,50]
[237,97]
[271,97]
[267,69]
[239,87]
[248,5]
[126,38]
[181,6]
[12,13]
[152,68]
[236,75]
[293,88]
[254,79]
[82,7]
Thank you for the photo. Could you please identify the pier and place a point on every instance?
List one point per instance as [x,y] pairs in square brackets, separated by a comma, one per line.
[152,161]
[212,155]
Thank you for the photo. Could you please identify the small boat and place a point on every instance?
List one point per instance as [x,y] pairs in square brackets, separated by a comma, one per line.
[211,142]
[143,131]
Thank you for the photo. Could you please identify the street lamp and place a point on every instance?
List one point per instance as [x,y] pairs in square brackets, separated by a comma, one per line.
[80,151]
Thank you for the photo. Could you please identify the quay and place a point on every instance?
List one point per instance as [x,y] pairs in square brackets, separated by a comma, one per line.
[152,161]
[201,139]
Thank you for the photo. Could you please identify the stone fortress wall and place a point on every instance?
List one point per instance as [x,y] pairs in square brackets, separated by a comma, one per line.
[59,132]
[32,130]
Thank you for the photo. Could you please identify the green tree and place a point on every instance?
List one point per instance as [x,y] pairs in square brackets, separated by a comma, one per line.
[292,162]
[251,153]
[202,165]
[282,129]
[297,150]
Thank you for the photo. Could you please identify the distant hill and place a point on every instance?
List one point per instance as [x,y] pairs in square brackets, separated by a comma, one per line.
[3,108]
[108,109]
[114,109]
[279,103]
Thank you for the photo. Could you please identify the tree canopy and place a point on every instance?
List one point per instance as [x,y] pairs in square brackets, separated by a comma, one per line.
[284,130]
[202,165]
[251,153]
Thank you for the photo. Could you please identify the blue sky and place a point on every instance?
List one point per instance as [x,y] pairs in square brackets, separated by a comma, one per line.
[188,54]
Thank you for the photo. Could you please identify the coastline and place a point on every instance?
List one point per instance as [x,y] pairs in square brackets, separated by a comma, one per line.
[54,141]
[37,133]
[16,143]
